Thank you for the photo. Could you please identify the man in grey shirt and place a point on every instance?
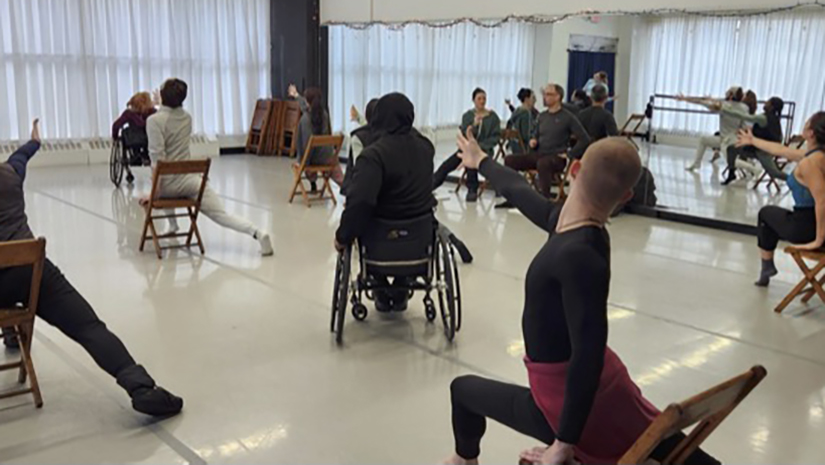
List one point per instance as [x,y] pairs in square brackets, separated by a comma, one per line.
[59,302]
[169,131]
[553,133]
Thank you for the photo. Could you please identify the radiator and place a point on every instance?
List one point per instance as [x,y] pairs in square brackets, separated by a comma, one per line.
[97,151]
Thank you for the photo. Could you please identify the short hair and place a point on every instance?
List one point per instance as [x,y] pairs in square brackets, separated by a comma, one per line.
[777,105]
[599,93]
[524,94]
[602,75]
[559,89]
[477,91]
[735,93]
[173,92]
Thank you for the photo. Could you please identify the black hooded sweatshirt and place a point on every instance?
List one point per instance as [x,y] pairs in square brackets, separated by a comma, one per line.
[393,176]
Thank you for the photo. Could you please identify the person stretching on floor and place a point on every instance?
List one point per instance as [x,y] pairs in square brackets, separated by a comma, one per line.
[551,139]
[169,131]
[805,225]
[60,304]
[581,400]
[766,126]
[486,125]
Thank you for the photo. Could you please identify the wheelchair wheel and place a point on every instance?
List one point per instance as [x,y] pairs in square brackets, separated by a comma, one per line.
[340,294]
[116,163]
[446,287]
[429,309]
[359,311]
[456,288]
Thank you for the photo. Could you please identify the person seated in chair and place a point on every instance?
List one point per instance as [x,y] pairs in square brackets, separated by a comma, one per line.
[170,131]
[597,121]
[359,138]
[523,120]
[766,126]
[581,401]
[392,180]
[315,122]
[139,108]
[551,138]
[805,224]
[60,304]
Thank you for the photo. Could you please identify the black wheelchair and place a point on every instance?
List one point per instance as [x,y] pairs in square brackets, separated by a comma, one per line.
[130,150]
[418,253]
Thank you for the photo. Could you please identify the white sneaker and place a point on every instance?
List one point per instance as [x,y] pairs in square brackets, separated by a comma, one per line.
[171,228]
[692,167]
[266,244]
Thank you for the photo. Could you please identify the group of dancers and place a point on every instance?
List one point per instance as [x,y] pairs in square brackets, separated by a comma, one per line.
[581,403]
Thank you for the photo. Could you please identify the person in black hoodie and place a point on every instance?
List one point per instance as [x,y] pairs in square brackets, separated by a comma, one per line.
[392,180]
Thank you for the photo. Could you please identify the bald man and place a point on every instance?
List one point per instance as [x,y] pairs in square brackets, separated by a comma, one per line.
[581,400]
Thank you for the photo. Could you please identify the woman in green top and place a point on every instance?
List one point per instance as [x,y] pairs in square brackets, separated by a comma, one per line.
[523,120]
[487,130]
[767,126]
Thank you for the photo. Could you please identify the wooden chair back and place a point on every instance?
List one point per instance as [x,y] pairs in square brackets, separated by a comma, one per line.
[325,170]
[18,322]
[261,116]
[706,411]
[191,205]
[290,119]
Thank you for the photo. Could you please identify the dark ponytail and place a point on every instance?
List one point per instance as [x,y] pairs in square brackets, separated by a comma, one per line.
[817,123]
[777,105]
[317,110]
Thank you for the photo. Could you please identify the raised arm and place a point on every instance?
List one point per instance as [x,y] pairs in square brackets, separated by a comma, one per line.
[19,160]
[585,281]
[760,119]
[747,138]
[509,183]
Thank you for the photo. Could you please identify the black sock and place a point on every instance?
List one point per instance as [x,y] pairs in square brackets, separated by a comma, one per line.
[768,271]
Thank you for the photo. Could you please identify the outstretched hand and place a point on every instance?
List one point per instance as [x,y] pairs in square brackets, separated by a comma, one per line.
[469,151]
[36,130]
[744,138]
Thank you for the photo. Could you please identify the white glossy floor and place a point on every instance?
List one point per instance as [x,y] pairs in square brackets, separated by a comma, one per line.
[245,339]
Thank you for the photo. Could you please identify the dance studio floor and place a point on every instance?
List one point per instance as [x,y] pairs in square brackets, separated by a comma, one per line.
[245,339]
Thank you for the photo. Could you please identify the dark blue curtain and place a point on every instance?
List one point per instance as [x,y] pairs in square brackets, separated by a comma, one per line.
[583,65]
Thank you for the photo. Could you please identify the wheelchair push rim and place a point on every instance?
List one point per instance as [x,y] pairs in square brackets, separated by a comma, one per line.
[445,284]
[116,167]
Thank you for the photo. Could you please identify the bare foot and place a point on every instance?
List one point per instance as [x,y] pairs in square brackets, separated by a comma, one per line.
[455,459]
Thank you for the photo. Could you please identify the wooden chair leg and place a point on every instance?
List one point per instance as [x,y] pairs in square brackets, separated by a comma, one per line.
[304,193]
[22,373]
[155,239]
[328,188]
[25,352]
[800,287]
[295,185]
[461,181]
[146,222]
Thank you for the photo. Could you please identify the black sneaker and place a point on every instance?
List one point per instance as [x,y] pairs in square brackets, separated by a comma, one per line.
[313,187]
[505,204]
[729,180]
[10,340]
[157,402]
[472,196]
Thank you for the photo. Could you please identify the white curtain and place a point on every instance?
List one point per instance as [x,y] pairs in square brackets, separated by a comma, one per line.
[776,55]
[75,63]
[437,68]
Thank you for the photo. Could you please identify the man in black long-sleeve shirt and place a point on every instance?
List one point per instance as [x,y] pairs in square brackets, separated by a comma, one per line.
[60,304]
[581,400]
[392,180]
[597,121]
[556,126]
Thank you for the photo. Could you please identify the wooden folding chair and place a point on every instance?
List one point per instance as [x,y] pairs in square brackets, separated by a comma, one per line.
[636,119]
[811,283]
[19,321]
[508,135]
[289,128]
[191,205]
[561,180]
[706,410]
[302,169]
[766,177]
[256,139]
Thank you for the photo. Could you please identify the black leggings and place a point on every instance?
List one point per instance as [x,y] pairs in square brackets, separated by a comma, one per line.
[62,306]
[475,399]
[451,164]
[775,224]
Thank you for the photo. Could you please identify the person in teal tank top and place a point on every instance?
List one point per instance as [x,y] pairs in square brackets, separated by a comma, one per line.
[803,226]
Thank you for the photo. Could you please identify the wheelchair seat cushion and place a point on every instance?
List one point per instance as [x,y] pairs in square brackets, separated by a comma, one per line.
[403,244]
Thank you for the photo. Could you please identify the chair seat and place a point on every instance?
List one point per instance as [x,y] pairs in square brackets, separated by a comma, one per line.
[313,168]
[174,203]
[817,254]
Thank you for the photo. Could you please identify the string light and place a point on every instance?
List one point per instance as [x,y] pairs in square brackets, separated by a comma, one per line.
[538,19]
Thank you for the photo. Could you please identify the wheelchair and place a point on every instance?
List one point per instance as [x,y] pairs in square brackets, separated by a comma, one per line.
[418,252]
[130,150]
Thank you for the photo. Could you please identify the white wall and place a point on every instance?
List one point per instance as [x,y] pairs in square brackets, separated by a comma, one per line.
[550,57]
[398,10]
